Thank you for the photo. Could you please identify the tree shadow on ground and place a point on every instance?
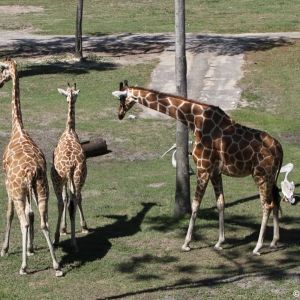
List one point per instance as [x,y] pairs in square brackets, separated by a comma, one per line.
[211,282]
[76,68]
[95,245]
[268,271]
[229,45]
[127,44]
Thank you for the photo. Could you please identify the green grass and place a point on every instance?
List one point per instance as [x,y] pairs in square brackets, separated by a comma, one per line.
[132,251]
[107,17]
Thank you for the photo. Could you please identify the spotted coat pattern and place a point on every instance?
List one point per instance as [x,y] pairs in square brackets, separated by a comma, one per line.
[25,171]
[69,170]
[222,146]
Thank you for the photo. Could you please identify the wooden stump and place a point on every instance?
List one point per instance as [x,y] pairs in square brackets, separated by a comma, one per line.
[94,147]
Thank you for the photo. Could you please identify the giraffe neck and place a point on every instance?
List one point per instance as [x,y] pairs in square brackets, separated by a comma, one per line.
[17,121]
[176,107]
[71,117]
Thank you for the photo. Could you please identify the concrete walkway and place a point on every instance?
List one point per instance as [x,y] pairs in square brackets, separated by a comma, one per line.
[214,66]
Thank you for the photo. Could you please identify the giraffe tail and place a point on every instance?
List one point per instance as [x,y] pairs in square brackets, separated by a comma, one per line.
[71,178]
[72,189]
[29,179]
[30,191]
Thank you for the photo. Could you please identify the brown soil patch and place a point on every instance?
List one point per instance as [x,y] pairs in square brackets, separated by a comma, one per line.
[17,9]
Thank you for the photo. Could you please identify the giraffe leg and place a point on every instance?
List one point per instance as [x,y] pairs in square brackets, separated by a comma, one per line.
[81,215]
[56,267]
[20,207]
[72,213]
[266,197]
[195,207]
[24,229]
[274,243]
[30,234]
[218,188]
[42,203]
[43,209]
[266,214]
[63,228]
[30,229]
[60,205]
[9,216]
[202,181]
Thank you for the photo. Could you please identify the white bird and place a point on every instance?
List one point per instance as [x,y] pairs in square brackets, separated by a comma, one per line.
[191,171]
[287,187]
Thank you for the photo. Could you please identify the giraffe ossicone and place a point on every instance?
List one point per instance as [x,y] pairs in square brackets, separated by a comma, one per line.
[68,173]
[25,171]
[222,146]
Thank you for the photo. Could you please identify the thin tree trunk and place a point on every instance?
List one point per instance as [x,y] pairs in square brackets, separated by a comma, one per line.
[182,196]
[78,37]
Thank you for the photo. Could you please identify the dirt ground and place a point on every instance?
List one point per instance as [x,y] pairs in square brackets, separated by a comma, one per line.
[17,9]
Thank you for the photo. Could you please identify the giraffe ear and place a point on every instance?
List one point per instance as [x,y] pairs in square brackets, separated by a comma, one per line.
[118,94]
[4,65]
[76,92]
[63,92]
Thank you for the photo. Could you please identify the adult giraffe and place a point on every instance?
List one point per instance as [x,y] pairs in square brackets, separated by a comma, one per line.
[25,171]
[222,146]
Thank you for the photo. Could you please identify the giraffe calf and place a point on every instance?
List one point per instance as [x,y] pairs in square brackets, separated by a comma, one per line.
[69,172]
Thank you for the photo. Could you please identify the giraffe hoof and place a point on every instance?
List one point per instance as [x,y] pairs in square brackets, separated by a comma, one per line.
[59,273]
[22,272]
[185,248]
[30,253]
[255,253]
[55,244]
[218,248]
[85,230]
[277,246]
[4,252]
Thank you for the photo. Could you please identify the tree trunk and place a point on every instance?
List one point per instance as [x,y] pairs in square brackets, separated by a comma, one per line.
[94,147]
[78,36]
[182,196]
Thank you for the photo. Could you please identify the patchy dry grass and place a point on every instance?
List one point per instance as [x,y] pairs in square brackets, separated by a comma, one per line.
[114,16]
[133,248]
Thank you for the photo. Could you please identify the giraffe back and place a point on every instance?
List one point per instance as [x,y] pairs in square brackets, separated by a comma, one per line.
[68,156]
[224,145]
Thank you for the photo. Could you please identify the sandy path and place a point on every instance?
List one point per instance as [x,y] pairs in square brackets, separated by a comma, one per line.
[214,61]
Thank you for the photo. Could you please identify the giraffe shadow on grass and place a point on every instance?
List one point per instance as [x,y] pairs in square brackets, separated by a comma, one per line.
[287,236]
[96,244]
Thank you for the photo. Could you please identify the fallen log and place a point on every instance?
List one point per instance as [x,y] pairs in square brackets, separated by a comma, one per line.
[94,147]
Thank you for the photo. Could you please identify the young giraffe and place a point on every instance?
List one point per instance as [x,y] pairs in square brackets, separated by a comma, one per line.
[222,146]
[69,167]
[25,176]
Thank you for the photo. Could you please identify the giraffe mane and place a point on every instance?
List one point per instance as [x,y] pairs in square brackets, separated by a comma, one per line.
[174,96]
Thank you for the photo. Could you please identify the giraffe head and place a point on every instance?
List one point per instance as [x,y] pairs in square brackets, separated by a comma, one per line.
[127,100]
[7,68]
[71,93]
